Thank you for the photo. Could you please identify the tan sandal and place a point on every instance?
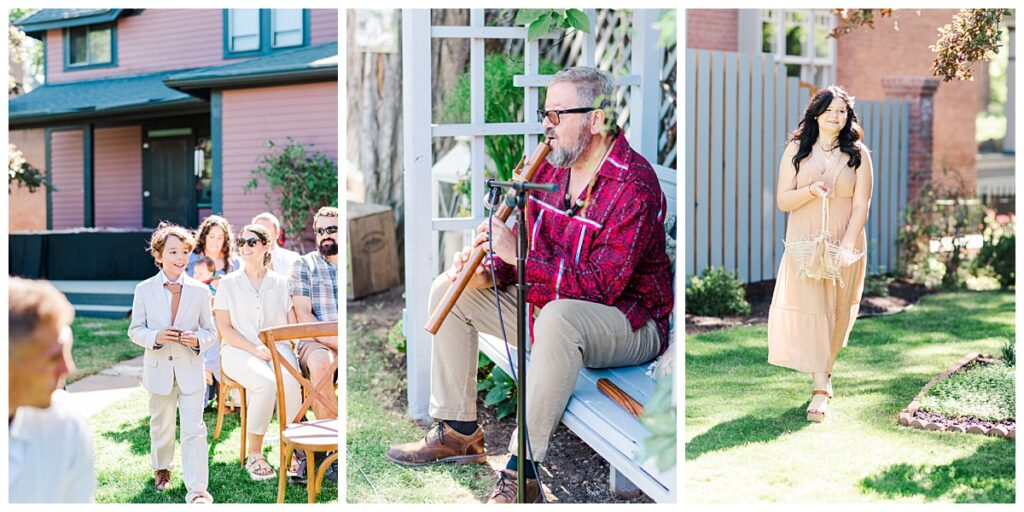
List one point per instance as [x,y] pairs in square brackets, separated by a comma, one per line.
[252,466]
[814,414]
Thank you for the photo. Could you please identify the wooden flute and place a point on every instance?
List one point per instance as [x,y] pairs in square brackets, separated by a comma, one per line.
[477,255]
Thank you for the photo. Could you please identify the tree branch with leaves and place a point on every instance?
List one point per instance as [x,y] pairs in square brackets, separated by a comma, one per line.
[972,36]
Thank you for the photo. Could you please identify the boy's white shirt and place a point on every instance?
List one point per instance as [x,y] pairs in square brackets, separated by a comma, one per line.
[151,312]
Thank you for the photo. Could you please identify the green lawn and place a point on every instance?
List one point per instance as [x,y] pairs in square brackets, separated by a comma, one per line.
[100,343]
[748,439]
[124,473]
[373,425]
[984,392]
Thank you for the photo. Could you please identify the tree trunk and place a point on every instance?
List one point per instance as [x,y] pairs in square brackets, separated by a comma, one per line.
[374,124]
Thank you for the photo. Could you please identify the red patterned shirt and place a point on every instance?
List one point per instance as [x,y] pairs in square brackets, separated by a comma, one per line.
[614,256]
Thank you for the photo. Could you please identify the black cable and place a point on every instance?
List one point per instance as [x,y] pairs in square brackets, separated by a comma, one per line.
[508,350]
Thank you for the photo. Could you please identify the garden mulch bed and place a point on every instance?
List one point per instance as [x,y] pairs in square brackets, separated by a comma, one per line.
[915,418]
[573,471]
[902,295]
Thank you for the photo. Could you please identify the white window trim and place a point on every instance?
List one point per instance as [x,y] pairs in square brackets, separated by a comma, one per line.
[749,24]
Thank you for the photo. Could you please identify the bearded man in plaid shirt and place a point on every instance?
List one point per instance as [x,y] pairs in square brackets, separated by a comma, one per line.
[600,284]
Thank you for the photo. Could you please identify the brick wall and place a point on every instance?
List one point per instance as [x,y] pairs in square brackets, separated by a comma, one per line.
[866,56]
[712,29]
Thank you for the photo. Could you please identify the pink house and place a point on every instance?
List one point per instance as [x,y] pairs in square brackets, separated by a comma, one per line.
[162,114]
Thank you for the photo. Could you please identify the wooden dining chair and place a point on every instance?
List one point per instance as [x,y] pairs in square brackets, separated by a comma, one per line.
[320,435]
[224,387]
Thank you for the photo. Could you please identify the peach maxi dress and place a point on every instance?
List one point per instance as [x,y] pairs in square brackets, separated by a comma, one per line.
[810,320]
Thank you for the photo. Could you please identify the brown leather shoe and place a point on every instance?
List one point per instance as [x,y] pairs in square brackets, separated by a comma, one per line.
[161,479]
[441,444]
[506,490]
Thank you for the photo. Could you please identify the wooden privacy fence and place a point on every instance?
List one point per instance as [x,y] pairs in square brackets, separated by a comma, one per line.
[740,109]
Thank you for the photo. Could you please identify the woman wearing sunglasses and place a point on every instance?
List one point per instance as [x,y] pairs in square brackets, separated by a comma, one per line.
[248,301]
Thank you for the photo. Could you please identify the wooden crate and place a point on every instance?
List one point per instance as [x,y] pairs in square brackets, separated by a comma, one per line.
[372,251]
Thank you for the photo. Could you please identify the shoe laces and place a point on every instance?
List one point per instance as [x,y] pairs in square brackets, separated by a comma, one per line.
[506,486]
[437,431]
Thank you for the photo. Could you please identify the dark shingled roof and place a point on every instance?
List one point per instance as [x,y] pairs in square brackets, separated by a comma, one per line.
[45,19]
[95,98]
[303,64]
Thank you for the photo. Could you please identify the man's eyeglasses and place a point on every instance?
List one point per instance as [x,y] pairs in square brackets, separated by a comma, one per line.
[553,115]
[251,242]
[329,230]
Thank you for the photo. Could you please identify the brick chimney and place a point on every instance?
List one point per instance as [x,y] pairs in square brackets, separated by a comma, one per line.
[919,91]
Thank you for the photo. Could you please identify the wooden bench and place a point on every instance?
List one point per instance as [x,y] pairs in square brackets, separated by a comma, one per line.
[605,426]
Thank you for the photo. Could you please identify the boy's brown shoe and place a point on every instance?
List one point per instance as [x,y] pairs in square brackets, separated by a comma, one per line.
[441,444]
[161,479]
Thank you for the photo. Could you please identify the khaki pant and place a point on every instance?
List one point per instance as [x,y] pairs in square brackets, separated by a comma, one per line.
[568,334]
[195,459]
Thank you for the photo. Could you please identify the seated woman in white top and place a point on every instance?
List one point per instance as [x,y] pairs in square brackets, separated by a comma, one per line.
[247,302]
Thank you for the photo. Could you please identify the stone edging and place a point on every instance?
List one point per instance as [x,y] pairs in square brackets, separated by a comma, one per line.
[907,419]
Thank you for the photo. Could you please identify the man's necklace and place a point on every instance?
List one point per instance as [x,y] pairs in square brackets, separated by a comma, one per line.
[581,202]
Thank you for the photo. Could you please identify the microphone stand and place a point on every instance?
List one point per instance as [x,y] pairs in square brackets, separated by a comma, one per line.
[517,196]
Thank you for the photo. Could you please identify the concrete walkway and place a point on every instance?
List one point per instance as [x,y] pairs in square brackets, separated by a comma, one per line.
[111,385]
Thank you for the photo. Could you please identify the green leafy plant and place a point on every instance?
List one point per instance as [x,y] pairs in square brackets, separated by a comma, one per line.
[716,293]
[660,418]
[396,339]
[877,286]
[939,212]
[541,21]
[503,103]
[997,256]
[1009,352]
[500,389]
[306,180]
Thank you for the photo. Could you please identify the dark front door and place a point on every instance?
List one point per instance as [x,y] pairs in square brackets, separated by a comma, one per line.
[168,184]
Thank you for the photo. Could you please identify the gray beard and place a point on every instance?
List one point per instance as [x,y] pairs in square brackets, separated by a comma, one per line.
[564,157]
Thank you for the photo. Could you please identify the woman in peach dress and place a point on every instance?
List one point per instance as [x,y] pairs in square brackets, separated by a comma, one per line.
[812,314]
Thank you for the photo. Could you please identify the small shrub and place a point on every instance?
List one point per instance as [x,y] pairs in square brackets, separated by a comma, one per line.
[716,293]
[997,256]
[396,339]
[500,389]
[983,391]
[1009,352]
[877,286]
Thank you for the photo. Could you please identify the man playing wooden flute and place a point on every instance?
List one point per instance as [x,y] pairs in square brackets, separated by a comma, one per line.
[600,291]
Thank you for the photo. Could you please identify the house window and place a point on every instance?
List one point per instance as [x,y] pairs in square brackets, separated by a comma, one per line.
[250,32]
[244,30]
[798,38]
[91,45]
[286,28]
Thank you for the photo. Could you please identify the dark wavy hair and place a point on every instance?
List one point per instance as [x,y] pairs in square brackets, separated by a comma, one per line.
[229,239]
[806,133]
[262,234]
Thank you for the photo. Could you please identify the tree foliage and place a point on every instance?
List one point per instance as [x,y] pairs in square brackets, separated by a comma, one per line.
[541,21]
[972,36]
[23,173]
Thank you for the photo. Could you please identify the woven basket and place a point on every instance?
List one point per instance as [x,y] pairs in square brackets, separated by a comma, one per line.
[820,256]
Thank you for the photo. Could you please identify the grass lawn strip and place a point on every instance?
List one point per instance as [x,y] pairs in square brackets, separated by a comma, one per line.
[748,440]
[99,344]
[124,473]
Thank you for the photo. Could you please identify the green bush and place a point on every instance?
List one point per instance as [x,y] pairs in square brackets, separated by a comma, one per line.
[396,339]
[1009,352]
[877,286]
[305,179]
[997,256]
[500,389]
[716,293]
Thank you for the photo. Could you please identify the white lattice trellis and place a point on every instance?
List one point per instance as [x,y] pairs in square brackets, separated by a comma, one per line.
[421,230]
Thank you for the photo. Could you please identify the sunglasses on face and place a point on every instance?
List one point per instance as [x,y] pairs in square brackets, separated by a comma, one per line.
[329,230]
[251,242]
